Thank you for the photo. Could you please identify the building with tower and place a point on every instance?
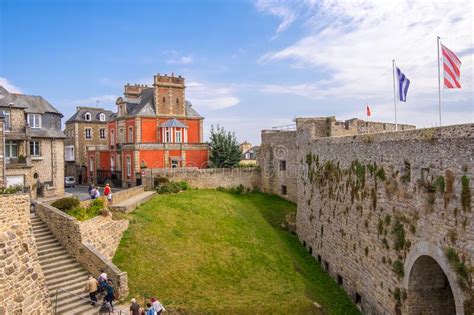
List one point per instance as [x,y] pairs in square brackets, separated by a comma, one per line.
[154,127]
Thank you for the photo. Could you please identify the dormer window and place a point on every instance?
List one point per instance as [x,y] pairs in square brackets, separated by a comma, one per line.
[102,117]
[88,116]
[34,120]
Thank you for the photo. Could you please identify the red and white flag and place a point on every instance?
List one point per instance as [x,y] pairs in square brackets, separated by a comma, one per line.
[369,113]
[452,69]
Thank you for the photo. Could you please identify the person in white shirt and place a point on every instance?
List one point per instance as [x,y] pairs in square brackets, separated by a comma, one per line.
[157,306]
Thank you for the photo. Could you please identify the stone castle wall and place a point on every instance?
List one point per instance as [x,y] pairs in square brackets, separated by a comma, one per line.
[369,206]
[208,178]
[87,242]
[278,148]
[22,282]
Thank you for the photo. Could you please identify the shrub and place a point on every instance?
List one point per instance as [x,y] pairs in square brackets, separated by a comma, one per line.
[458,265]
[398,232]
[397,267]
[157,181]
[10,189]
[172,187]
[465,194]
[66,204]
[95,208]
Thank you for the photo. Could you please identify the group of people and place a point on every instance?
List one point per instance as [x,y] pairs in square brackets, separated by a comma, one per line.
[94,192]
[101,285]
[152,308]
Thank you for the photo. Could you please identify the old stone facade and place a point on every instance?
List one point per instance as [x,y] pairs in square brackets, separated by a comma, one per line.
[34,144]
[22,282]
[86,128]
[388,215]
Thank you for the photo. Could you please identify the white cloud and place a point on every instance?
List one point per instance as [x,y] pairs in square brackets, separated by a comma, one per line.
[352,44]
[9,86]
[211,96]
[280,9]
[174,57]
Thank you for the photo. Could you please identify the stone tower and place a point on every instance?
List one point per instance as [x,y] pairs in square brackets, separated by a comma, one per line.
[169,95]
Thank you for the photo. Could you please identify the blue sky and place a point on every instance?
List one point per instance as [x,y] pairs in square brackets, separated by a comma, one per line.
[249,65]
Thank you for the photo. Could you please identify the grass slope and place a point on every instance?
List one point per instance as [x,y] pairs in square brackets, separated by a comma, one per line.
[205,251]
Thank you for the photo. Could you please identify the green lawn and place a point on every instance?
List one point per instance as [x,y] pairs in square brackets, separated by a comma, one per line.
[206,251]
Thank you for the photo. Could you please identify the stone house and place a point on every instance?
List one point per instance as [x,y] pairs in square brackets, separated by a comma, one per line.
[33,144]
[87,127]
[155,128]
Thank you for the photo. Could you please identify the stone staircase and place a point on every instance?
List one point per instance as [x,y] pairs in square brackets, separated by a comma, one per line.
[61,271]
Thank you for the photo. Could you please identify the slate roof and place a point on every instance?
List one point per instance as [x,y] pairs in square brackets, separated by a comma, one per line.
[95,112]
[30,103]
[173,123]
[145,105]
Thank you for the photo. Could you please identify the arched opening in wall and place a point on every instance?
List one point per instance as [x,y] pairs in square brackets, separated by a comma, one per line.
[429,291]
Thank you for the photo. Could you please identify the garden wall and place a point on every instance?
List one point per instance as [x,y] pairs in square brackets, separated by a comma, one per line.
[208,178]
[87,242]
[22,282]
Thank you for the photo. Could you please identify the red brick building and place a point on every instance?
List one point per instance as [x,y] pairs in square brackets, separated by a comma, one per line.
[154,127]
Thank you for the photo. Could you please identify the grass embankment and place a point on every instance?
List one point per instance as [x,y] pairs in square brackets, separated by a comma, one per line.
[205,251]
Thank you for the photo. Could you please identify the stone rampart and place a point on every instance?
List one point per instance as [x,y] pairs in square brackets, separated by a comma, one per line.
[390,216]
[208,178]
[86,242]
[125,194]
[22,282]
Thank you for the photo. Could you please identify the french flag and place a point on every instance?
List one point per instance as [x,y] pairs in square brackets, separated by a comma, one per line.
[403,84]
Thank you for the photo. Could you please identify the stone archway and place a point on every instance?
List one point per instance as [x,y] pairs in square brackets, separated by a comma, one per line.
[431,285]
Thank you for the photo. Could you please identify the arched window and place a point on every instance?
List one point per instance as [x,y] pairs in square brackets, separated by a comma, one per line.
[102,117]
[88,116]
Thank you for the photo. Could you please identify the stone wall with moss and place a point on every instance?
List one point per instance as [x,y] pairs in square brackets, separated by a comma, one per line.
[365,201]
[22,282]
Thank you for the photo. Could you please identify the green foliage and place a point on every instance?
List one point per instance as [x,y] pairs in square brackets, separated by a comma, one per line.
[67,203]
[172,187]
[224,148]
[159,180]
[440,184]
[387,219]
[458,266]
[380,227]
[209,240]
[380,174]
[398,232]
[465,194]
[11,189]
[397,268]
[94,209]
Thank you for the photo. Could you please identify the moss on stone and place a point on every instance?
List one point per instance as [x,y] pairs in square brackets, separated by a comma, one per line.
[465,194]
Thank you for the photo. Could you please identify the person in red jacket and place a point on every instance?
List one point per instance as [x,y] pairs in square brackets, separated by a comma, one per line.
[108,193]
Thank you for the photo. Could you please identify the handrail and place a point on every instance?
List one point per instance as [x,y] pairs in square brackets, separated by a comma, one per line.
[70,293]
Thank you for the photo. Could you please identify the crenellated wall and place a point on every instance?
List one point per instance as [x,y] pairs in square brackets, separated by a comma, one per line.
[369,206]
[22,282]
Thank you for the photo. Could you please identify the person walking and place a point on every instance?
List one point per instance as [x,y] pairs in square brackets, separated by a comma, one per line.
[93,192]
[91,288]
[134,307]
[109,296]
[149,309]
[97,193]
[157,306]
[108,193]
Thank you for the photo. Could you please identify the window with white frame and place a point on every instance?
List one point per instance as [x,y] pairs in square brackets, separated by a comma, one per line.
[129,166]
[112,163]
[6,125]
[69,153]
[167,135]
[102,133]
[35,148]
[88,132]
[34,120]
[88,116]
[11,149]
[102,117]
[130,134]
[178,136]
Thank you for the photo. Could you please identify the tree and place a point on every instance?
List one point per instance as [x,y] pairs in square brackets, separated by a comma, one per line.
[225,150]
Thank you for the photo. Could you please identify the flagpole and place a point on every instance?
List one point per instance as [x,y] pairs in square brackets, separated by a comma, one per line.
[394,94]
[439,83]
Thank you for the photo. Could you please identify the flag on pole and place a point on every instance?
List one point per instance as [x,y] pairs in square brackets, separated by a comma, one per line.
[403,84]
[451,67]
[369,113]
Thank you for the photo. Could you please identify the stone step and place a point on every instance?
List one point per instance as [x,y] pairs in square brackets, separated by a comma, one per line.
[133,202]
[62,267]
[68,286]
[50,251]
[64,272]
[55,261]
[47,246]
[66,277]
[78,306]
[43,233]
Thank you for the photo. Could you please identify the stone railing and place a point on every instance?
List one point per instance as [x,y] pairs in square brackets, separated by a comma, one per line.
[68,232]
[122,195]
